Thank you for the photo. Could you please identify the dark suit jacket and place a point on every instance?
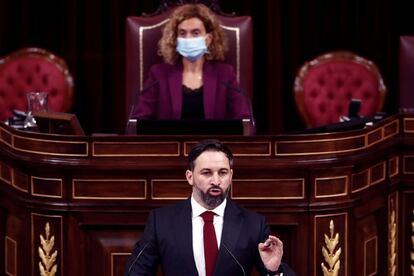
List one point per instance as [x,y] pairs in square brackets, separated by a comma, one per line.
[167,240]
[161,97]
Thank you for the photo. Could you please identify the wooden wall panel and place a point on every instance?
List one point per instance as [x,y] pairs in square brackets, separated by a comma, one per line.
[366,247]
[95,207]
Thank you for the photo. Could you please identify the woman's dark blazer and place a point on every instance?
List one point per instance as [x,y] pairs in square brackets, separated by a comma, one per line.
[161,97]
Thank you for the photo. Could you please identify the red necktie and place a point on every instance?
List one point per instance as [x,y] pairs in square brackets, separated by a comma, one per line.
[210,242]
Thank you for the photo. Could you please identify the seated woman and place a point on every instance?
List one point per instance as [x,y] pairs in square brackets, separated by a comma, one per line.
[193,83]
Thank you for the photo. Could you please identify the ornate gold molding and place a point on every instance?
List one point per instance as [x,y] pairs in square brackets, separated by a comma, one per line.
[392,239]
[412,245]
[47,264]
[328,252]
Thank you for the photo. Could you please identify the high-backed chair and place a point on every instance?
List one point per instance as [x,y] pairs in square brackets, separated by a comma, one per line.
[144,32]
[325,86]
[406,64]
[29,70]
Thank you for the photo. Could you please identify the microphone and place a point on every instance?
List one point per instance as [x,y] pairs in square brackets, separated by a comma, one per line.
[131,123]
[353,108]
[137,257]
[234,258]
[249,103]
[140,92]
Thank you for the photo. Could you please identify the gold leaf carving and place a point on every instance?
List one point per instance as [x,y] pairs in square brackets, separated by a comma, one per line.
[392,240]
[47,266]
[331,257]
[412,245]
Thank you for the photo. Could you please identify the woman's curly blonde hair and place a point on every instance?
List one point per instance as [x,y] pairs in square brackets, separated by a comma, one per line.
[168,42]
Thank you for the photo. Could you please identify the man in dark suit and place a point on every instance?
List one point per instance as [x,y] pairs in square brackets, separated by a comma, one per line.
[185,242]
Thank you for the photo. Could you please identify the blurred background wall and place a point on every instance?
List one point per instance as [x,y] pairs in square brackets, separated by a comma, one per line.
[90,36]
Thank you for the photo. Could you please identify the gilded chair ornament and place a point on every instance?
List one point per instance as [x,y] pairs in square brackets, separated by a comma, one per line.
[166,4]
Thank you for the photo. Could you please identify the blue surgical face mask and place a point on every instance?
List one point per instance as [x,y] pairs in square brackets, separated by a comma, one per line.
[192,48]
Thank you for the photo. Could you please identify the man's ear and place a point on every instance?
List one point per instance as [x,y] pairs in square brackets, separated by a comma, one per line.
[189,176]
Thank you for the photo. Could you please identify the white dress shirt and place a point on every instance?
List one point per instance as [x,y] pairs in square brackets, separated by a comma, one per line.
[198,224]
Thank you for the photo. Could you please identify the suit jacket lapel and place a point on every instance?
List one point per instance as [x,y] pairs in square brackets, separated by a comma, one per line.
[232,227]
[184,235]
[210,90]
[176,91]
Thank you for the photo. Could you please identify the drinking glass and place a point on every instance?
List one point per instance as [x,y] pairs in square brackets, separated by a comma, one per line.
[36,101]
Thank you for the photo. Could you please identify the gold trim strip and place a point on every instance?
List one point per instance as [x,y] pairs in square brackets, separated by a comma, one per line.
[376,254]
[319,141]
[383,173]
[376,141]
[166,180]
[404,164]
[112,259]
[302,196]
[9,133]
[50,141]
[397,161]
[6,256]
[135,154]
[47,179]
[185,146]
[345,238]
[74,196]
[11,174]
[397,122]
[366,182]
[61,239]
[14,184]
[364,136]
[406,130]
[229,143]
[141,47]
[237,31]
[344,193]
[369,176]
[269,146]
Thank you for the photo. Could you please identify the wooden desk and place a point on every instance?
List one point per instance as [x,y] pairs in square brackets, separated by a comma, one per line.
[92,195]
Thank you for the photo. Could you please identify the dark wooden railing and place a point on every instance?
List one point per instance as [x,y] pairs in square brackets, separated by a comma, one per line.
[92,195]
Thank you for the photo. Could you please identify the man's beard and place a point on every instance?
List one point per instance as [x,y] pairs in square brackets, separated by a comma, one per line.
[210,200]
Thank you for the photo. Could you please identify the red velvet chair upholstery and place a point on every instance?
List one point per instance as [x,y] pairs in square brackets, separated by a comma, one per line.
[144,32]
[34,69]
[324,87]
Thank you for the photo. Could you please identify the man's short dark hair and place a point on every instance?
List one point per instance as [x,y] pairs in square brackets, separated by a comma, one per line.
[208,145]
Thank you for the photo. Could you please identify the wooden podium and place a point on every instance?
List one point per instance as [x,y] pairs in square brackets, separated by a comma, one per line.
[76,205]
